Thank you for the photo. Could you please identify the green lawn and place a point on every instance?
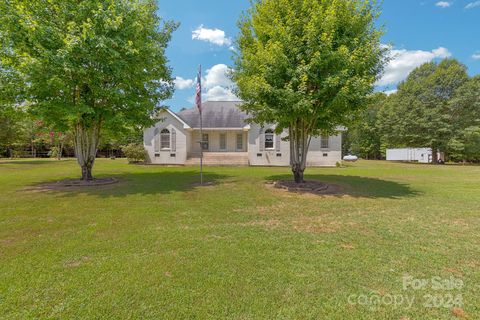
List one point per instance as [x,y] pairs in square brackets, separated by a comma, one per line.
[156,247]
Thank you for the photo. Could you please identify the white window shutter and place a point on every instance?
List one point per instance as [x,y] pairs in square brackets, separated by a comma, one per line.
[278,142]
[261,139]
[156,137]
[174,140]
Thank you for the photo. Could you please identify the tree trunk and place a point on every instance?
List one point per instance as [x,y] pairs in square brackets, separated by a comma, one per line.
[434,155]
[298,174]
[86,138]
[299,144]
[87,172]
[33,151]
[60,151]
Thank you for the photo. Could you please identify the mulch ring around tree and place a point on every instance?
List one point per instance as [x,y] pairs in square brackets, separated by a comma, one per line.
[312,187]
[204,184]
[72,184]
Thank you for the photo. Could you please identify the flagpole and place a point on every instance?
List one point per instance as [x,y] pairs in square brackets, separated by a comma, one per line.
[199,101]
[201,149]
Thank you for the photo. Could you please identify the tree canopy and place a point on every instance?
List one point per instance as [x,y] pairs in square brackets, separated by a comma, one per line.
[419,114]
[307,65]
[88,65]
[464,144]
[364,138]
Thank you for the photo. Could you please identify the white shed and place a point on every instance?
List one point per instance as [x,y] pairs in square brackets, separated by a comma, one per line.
[422,155]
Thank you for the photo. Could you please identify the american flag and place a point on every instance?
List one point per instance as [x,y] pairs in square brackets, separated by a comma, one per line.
[198,98]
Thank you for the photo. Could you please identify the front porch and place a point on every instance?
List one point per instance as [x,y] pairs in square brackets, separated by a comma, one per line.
[222,140]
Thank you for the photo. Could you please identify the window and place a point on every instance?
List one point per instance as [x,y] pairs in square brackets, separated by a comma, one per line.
[205,144]
[165,139]
[324,142]
[240,141]
[223,141]
[269,139]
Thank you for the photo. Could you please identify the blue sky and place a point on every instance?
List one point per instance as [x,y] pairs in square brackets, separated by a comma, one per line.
[418,31]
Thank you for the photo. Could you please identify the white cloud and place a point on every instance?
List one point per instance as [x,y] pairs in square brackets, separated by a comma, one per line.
[182,84]
[217,76]
[472,5]
[215,36]
[441,53]
[405,61]
[476,56]
[443,4]
[219,93]
[216,84]
[389,92]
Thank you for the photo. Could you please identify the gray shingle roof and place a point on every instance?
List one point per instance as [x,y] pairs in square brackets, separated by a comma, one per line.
[216,114]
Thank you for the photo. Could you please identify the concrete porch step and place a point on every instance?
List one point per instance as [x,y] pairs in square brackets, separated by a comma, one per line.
[220,159]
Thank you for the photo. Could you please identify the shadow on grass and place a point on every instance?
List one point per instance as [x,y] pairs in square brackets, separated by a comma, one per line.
[356,186]
[144,183]
[28,162]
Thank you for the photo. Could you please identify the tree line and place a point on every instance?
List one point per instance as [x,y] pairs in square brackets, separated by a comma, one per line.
[23,135]
[437,106]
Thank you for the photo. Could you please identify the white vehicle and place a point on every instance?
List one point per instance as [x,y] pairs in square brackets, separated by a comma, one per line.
[350,158]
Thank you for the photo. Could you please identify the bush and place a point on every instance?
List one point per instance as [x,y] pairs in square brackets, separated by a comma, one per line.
[135,153]
[17,153]
[53,153]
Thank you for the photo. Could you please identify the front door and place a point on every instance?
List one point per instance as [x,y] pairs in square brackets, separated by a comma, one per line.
[205,142]
[223,142]
[240,142]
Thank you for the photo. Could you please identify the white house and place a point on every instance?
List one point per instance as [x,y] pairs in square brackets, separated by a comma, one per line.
[229,140]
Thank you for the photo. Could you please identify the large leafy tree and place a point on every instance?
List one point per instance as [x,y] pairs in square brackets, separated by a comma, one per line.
[419,114]
[11,130]
[307,65]
[88,65]
[464,108]
[364,135]
[11,114]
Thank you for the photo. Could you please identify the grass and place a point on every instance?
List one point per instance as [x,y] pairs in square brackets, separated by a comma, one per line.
[156,247]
